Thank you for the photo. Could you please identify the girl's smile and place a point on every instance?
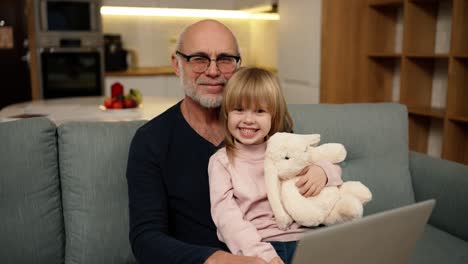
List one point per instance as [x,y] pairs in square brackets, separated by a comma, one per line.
[249,125]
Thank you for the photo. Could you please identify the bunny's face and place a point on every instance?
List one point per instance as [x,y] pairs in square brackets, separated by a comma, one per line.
[290,153]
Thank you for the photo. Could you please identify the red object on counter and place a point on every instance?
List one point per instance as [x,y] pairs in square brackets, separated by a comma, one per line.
[116,89]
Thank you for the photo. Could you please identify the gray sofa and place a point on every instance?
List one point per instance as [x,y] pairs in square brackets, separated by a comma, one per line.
[63,193]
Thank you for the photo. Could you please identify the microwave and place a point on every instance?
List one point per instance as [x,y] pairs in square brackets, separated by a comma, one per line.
[68,23]
[80,16]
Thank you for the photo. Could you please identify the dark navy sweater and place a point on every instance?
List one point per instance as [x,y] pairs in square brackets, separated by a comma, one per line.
[169,205]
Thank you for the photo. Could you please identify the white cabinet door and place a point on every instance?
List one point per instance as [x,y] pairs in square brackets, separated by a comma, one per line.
[299,49]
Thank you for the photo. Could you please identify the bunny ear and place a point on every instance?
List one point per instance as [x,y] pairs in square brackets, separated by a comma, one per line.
[313,139]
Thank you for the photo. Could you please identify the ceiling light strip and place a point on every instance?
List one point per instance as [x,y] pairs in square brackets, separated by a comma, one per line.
[177,12]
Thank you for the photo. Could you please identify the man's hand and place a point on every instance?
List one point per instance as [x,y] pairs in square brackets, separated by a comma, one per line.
[221,257]
[312,181]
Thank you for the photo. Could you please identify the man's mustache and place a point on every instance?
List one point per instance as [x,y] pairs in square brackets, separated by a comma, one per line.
[218,82]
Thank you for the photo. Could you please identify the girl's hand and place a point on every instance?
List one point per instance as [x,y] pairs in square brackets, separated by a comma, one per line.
[276,260]
[312,181]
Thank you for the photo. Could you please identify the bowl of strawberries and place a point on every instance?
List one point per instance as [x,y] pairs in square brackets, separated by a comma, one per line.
[120,100]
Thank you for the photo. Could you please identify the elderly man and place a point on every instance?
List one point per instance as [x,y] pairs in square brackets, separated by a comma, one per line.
[170,219]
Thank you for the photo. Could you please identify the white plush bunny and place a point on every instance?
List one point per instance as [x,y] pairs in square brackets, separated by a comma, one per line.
[286,156]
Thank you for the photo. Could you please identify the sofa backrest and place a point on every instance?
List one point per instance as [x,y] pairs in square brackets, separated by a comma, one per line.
[31,223]
[93,161]
[376,139]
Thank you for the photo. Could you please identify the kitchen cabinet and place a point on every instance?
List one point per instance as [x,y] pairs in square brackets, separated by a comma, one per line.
[299,50]
[196,4]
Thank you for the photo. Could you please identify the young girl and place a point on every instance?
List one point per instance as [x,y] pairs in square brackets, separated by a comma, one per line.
[253,109]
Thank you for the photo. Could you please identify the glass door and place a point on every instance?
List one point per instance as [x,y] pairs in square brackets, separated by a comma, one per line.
[67,74]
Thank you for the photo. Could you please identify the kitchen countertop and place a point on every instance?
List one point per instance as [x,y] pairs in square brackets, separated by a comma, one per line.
[85,109]
[143,71]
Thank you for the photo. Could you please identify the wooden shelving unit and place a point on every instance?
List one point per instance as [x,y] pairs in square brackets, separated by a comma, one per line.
[420,62]
[410,51]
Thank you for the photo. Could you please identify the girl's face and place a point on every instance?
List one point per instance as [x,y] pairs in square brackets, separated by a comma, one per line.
[249,125]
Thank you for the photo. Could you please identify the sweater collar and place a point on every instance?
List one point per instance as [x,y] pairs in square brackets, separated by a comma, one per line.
[250,152]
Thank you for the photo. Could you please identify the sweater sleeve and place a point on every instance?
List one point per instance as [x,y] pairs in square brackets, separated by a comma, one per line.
[332,171]
[148,208]
[241,236]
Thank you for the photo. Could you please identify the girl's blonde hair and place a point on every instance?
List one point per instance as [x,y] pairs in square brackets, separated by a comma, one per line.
[253,87]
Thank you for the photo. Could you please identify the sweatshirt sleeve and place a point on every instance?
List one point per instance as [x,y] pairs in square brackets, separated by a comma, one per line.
[241,236]
[332,171]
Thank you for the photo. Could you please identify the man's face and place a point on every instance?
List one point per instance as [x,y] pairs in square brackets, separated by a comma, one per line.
[211,40]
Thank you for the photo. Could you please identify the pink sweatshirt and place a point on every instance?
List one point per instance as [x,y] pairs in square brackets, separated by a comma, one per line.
[239,203]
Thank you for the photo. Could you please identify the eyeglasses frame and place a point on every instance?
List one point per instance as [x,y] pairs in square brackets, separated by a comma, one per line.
[188,57]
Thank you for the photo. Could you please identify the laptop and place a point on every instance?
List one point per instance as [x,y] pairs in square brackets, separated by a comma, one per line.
[386,237]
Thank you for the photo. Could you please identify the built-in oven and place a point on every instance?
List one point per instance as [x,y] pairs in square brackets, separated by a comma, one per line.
[67,51]
[71,72]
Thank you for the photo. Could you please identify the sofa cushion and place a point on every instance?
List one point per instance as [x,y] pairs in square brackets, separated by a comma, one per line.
[93,160]
[31,229]
[437,246]
[375,136]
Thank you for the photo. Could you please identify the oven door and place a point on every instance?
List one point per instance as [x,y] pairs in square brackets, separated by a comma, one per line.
[71,73]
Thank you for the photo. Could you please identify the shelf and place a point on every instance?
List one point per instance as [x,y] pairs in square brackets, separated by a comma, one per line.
[461,119]
[382,23]
[385,3]
[456,141]
[418,78]
[425,1]
[380,78]
[458,93]
[427,71]
[427,55]
[143,71]
[384,55]
[420,28]
[418,129]
[433,112]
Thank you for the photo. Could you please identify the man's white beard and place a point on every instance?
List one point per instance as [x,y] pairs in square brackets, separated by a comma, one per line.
[190,91]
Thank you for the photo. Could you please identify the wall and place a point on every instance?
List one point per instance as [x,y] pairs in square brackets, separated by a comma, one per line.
[153,38]
[299,50]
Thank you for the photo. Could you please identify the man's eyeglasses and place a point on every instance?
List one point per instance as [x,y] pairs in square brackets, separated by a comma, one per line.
[200,63]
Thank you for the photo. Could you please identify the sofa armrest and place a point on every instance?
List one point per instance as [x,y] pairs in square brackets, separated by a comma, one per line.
[447,182]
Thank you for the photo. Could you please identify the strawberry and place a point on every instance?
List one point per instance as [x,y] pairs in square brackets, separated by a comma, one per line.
[129,103]
[117,104]
[108,103]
